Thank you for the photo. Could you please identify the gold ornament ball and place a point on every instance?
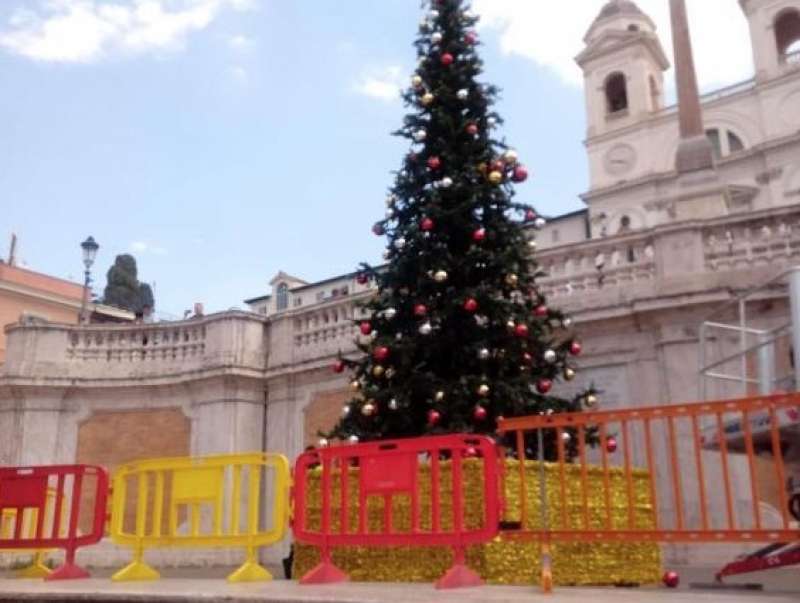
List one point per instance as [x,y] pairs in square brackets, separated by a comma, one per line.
[511,325]
[512,280]
[427,99]
[511,156]
[355,385]
[532,245]
[483,390]
[440,276]
[569,374]
[378,371]
[346,410]
[439,396]
[495,177]
[416,81]
[591,400]
[368,409]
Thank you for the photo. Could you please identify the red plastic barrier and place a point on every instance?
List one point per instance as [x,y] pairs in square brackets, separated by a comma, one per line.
[24,492]
[387,470]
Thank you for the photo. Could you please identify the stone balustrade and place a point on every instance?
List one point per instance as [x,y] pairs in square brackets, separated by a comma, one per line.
[752,241]
[130,351]
[598,265]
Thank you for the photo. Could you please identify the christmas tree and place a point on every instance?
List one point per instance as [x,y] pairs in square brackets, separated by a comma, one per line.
[459,333]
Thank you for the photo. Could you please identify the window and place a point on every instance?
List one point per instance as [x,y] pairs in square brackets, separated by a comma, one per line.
[633,27]
[787,35]
[283,296]
[624,224]
[298,301]
[554,235]
[655,95]
[724,142]
[616,89]
[735,143]
[713,137]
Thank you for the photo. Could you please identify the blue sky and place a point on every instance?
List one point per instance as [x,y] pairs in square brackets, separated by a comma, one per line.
[222,140]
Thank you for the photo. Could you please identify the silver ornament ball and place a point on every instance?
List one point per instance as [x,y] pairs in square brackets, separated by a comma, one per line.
[462,94]
[393,404]
[399,243]
[446,182]
[483,354]
[390,313]
[550,356]
[436,37]
[353,439]
[323,442]
[440,276]
[420,135]
[425,328]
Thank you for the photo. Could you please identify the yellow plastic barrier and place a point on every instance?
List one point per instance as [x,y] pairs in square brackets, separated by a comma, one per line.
[37,567]
[201,502]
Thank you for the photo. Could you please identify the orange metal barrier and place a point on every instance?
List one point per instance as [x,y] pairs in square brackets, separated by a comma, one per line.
[707,464]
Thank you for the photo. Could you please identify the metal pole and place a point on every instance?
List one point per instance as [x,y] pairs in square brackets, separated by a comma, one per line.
[85,298]
[766,364]
[794,304]
[743,344]
[547,570]
[702,353]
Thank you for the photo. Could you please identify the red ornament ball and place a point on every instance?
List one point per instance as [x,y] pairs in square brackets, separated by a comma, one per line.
[575,348]
[544,385]
[497,165]
[426,224]
[479,235]
[366,328]
[471,305]
[530,215]
[447,59]
[480,413]
[520,174]
[540,311]
[527,358]
[378,230]
[521,330]
[338,366]
[611,444]
[470,37]
[362,279]
[420,310]
[434,163]
[671,579]
[380,354]
[472,129]
[434,416]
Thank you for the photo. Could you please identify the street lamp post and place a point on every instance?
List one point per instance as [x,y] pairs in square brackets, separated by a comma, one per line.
[89,247]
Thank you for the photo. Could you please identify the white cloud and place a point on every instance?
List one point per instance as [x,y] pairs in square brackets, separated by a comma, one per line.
[551,34]
[90,30]
[241,43]
[381,84]
[145,247]
[240,74]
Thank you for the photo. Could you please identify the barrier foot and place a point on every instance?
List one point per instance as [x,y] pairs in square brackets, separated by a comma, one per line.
[459,576]
[136,571]
[250,571]
[325,573]
[68,571]
[37,569]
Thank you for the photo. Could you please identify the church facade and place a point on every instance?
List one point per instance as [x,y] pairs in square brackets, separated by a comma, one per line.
[658,250]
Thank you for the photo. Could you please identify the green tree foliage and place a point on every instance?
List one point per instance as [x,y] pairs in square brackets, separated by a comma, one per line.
[123,288]
[460,333]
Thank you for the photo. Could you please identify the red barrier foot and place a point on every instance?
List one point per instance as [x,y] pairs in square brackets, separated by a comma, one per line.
[459,576]
[68,571]
[325,573]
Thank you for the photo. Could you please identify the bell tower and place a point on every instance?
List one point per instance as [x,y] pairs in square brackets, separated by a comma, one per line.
[623,66]
[775,36]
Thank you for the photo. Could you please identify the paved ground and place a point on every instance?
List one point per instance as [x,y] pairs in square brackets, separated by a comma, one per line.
[181,590]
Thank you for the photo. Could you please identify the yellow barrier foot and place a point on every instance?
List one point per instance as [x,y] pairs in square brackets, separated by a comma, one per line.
[37,569]
[136,571]
[250,571]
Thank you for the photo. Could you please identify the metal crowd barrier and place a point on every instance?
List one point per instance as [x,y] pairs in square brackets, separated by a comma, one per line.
[706,464]
[385,471]
[212,501]
[41,508]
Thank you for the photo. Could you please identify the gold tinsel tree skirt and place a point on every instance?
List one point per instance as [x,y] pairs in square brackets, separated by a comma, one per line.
[500,561]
